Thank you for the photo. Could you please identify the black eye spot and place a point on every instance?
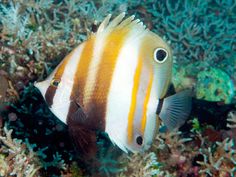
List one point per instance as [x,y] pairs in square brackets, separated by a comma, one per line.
[160,55]
[55,82]
[139,140]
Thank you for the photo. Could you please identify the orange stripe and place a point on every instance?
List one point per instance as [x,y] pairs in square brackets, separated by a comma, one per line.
[148,93]
[62,65]
[106,68]
[136,83]
[82,70]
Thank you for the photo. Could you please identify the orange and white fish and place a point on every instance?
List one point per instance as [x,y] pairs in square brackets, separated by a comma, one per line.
[116,81]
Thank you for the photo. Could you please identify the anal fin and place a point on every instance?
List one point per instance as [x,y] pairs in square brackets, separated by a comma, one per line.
[84,140]
[83,137]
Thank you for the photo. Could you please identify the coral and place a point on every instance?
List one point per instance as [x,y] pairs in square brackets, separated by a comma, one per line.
[175,153]
[220,161]
[24,159]
[42,133]
[168,157]
[210,84]
[204,27]
[199,153]
[214,85]
[16,158]
[181,78]
[35,35]
[231,123]
[141,165]
[107,160]
[198,31]
[14,22]
[232,119]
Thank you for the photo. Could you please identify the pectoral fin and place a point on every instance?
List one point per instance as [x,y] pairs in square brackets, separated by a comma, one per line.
[175,109]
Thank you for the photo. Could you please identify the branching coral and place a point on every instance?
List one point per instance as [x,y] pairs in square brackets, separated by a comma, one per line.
[220,161]
[24,159]
[198,30]
[41,134]
[167,157]
[176,155]
[35,35]
[16,158]
[14,22]
[141,165]
[201,33]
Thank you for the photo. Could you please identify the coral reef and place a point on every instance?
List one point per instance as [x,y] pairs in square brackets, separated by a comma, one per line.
[172,154]
[197,30]
[141,165]
[16,158]
[35,36]
[211,84]
[201,33]
[41,133]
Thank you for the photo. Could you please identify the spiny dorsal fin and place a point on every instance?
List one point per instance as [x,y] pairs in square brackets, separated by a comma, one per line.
[120,23]
[104,24]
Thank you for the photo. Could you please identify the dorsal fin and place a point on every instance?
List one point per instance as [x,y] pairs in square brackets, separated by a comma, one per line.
[119,23]
[104,24]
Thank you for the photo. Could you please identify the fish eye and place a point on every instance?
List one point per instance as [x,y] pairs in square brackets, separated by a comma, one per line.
[139,140]
[55,82]
[160,55]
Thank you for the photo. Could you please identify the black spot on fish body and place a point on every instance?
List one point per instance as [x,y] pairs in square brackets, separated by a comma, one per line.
[139,140]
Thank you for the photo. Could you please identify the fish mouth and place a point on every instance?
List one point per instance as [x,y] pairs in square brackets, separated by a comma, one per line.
[41,86]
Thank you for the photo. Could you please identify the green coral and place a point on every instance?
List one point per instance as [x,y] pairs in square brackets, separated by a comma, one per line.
[196,125]
[214,85]
[211,84]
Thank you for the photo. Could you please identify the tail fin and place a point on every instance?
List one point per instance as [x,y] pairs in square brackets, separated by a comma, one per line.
[176,109]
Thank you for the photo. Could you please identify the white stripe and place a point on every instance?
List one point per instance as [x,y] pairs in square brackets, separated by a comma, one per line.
[151,123]
[119,96]
[61,100]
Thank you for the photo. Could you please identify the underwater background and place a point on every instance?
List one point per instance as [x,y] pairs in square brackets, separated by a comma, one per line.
[35,35]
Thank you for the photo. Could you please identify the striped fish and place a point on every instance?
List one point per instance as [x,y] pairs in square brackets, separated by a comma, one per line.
[116,82]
